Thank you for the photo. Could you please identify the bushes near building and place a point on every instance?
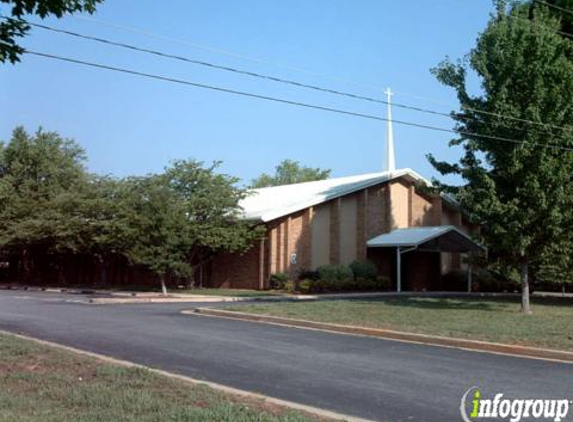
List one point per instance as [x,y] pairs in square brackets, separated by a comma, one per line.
[364,269]
[277,281]
[482,281]
[359,276]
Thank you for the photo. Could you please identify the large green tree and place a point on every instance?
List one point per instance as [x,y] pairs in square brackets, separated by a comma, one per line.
[559,9]
[555,265]
[212,204]
[14,26]
[178,220]
[170,223]
[154,219]
[289,172]
[520,192]
[40,178]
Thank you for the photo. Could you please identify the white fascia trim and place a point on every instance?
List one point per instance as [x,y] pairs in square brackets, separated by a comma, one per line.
[366,184]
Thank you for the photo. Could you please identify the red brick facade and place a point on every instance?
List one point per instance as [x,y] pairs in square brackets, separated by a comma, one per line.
[288,245]
[240,271]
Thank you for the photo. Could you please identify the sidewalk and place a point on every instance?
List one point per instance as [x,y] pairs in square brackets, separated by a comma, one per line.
[100,296]
[193,298]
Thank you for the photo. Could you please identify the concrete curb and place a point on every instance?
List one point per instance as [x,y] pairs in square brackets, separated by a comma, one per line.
[181,298]
[315,411]
[198,299]
[127,300]
[103,297]
[452,342]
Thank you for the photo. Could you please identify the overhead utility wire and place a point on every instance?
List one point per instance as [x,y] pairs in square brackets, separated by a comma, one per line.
[235,70]
[554,6]
[201,46]
[150,34]
[290,102]
[285,81]
[561,9]
[565,34]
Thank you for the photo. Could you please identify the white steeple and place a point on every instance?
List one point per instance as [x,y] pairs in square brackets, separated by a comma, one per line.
[389,163]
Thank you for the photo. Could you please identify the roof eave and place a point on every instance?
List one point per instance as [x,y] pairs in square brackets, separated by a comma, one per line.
[267,217]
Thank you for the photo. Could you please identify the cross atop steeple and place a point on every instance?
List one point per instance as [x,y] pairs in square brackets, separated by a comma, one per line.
[389,162]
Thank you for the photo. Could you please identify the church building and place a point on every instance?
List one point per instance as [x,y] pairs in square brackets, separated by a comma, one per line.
[413,237]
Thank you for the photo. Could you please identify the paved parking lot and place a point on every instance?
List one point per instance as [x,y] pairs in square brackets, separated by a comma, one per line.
[372,378]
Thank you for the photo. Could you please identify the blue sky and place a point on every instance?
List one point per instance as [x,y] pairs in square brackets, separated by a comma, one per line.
[131,125]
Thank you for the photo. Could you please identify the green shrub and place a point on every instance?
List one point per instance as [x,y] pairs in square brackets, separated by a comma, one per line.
[333,286]
[318,286]
[486,281]
[334,273]
[308,275]
[482,281]
[383,283]
[364,270]
[364,284]
[356,277]
[289,286]
[305,286]
[277,281]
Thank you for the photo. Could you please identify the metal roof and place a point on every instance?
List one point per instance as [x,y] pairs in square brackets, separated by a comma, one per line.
[267,204]
[438,238]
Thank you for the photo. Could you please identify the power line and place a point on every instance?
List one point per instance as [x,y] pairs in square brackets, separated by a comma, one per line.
[313,73]
[554,6]
[236,70]
[225,52]
[309,72]
[288,81]
[565,34]
[290,102]
[562,9]
[298,69]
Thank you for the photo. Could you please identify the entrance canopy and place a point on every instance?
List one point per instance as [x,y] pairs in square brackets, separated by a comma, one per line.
[436,239]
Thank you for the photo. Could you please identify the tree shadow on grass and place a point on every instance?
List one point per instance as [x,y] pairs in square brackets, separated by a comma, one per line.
[485,304]
[474,303]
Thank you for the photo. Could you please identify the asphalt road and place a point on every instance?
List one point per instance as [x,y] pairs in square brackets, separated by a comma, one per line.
[367,377]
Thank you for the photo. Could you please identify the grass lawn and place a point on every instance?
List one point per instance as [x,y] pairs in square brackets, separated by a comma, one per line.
[497,320]
[39,383]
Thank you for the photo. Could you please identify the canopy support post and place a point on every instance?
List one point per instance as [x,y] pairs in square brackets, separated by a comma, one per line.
[399,252]
[398,269]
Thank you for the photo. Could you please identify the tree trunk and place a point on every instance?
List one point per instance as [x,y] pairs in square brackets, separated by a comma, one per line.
[102,271]
[525,307]
[163,286]
[60,267]
[25,266]
[190,281]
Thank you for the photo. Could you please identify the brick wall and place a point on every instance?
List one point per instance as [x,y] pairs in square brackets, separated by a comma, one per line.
[361,223]
[320,235]
[296,243]
[335,231]
[235,270]
[348,228]
[298,234]
[451,217]
[421,271]
[421,209]
[377,209]
[399,195]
